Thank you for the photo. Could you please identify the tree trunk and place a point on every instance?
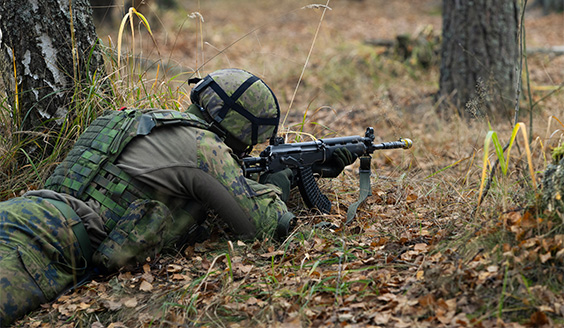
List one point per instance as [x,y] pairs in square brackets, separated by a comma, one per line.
[45,55]
[479,56]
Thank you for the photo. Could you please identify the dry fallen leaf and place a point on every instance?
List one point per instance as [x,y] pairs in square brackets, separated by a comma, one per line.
[145,286]
[420,275]
[148,277]
[112,305]
[83,306]
[421,247]
[130,302]
[272,253]
[545,257]
[173,268]
[538,319]
[117,325]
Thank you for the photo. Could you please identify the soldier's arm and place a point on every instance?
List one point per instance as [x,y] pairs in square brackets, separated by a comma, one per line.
[193,164]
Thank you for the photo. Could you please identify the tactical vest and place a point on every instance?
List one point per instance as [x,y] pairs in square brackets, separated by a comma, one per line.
[88,172]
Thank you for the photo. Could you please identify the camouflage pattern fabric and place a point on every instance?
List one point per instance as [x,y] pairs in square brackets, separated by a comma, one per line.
[137,235]
[258,101]
[88,172]
[39,256]
[260,202]
[184,166]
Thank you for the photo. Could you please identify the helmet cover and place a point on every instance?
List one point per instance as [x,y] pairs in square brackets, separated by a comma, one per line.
[241,103]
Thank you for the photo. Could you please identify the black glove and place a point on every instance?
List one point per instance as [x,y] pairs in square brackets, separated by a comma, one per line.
[281,179]
[336,164]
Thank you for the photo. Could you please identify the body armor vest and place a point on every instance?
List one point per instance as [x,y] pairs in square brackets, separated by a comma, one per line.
[89,173]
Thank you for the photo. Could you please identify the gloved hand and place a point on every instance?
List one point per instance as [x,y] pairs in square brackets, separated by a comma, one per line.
[341,158]
[281,179]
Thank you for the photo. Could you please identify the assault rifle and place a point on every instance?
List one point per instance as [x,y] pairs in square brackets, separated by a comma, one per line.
[302,156]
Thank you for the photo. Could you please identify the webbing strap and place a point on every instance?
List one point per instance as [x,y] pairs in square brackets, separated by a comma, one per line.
[115,211]
[72,184]
[243,87]
[117,138]
[77,228]
[365,188]
[121,191]
[228,103]
[201,84]
[125,178]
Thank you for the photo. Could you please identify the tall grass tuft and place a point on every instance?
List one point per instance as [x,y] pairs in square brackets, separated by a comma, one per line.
[120,85]
[20,170]
[492,137]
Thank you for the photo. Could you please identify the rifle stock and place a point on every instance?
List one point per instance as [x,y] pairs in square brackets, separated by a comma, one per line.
[302,156]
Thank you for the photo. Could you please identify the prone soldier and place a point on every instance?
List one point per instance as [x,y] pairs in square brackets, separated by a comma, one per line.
[139,181]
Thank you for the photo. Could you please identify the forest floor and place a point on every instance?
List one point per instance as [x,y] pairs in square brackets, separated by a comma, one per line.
[421,251]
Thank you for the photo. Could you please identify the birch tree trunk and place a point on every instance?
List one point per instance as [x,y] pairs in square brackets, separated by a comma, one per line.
[479,56]
[47,52]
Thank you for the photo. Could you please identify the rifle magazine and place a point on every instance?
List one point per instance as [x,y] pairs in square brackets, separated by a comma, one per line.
[311,194]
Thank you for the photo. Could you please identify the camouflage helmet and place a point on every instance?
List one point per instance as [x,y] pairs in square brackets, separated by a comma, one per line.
[243,106]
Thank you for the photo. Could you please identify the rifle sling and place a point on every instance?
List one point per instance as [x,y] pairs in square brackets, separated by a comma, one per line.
[365,189]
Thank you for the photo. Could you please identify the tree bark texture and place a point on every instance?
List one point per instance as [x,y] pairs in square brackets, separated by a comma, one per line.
[45,54]
[479,55]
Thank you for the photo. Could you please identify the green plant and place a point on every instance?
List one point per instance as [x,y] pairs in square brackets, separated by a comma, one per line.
[492,137]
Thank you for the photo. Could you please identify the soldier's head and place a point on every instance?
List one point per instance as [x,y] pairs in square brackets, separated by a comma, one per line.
[240,105]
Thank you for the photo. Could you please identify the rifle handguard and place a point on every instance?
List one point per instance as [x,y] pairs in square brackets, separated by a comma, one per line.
[311,194]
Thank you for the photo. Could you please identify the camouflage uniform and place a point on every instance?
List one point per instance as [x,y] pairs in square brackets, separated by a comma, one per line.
[39,255]
[185,169]
[194,164]
[134,183]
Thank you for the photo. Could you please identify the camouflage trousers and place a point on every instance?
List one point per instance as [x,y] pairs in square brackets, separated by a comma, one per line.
[39,256]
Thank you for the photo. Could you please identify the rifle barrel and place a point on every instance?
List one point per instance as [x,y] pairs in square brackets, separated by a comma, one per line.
[402,143]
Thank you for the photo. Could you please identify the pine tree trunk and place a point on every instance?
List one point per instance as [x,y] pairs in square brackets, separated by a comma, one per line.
[45,55]
[479,56]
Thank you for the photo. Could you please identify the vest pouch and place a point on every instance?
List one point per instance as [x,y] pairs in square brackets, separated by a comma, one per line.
[136,236]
